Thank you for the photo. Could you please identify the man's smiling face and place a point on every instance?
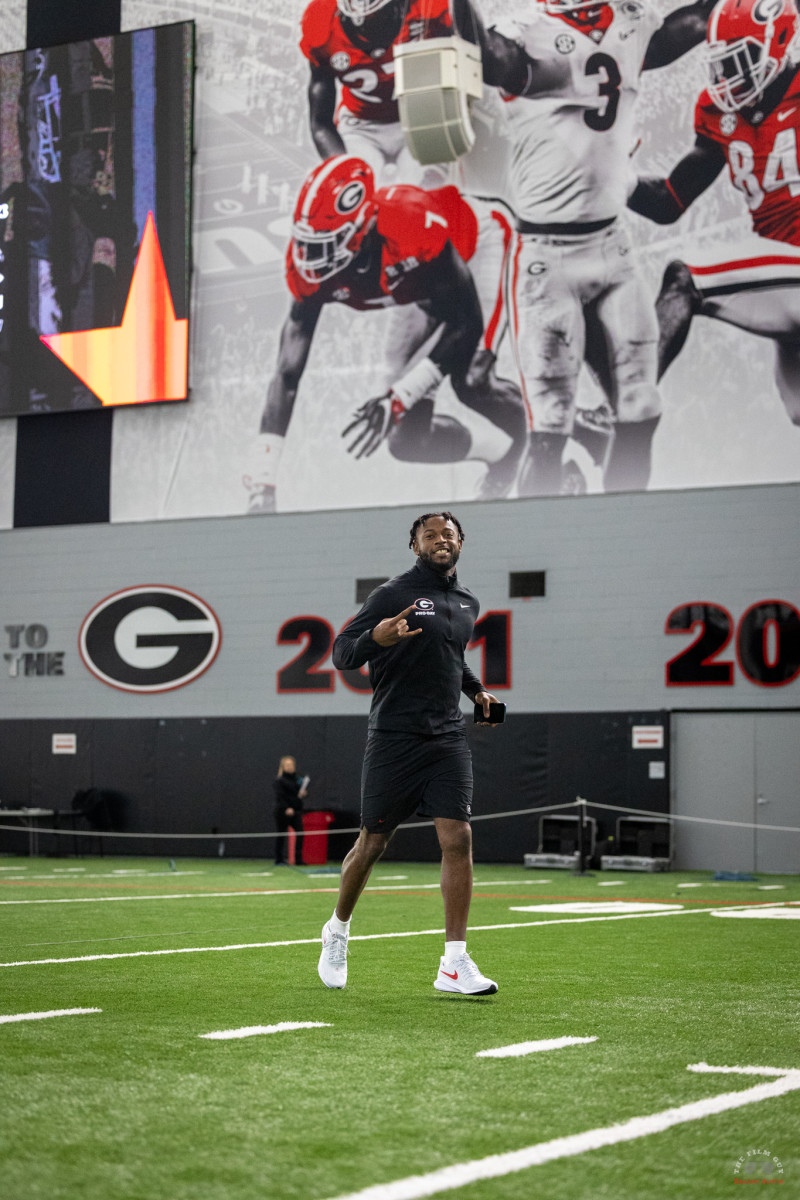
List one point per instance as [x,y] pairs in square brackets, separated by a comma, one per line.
[438,545]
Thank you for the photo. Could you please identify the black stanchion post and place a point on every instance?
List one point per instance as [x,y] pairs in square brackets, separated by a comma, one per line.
[582,839]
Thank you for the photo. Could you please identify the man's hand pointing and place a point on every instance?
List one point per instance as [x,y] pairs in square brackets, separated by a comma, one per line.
[392,630]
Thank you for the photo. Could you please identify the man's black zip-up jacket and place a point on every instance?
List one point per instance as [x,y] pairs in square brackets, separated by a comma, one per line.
[416,683]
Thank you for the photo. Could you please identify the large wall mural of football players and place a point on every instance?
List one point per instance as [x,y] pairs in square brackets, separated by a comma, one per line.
[601,296]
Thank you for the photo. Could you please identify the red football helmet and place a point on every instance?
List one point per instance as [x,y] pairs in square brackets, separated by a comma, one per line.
[749,44]
[334,212]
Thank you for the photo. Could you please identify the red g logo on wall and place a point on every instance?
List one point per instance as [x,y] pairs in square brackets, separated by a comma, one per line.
[150,639]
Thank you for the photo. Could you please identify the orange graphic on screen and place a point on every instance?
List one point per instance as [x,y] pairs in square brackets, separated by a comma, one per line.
[143,359]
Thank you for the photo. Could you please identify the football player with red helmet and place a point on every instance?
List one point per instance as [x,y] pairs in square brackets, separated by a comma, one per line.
[748,118]
[371,249]
[349,47]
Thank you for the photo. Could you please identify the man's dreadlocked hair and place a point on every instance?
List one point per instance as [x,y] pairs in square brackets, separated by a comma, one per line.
[420,521]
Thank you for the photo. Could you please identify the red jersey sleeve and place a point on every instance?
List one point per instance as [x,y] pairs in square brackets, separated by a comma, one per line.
[709,121]
[315,29]
[419,224]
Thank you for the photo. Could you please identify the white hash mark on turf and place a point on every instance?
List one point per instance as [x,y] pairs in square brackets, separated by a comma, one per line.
[521,1048]
[702,1068]
[41,1016]
[771,887]
[497,1165]
[223,1035]
[612,883]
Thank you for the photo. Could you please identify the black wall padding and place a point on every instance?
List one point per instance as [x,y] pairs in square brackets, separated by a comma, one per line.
[63,460]
[63,469]
[214,775]
[53,22]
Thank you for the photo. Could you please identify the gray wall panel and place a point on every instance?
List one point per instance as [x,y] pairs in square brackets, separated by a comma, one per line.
[616,566]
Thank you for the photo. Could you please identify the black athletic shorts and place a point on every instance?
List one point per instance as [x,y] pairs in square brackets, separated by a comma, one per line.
[405,773]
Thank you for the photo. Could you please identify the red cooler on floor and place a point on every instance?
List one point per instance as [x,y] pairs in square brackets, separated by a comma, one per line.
[315,849]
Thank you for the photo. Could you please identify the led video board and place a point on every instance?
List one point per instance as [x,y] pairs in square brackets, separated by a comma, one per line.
[95,207]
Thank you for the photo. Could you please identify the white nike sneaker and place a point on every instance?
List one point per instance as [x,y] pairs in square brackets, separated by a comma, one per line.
[462,975]
[333,959]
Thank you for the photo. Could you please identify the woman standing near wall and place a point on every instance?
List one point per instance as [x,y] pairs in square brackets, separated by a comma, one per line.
[289,795]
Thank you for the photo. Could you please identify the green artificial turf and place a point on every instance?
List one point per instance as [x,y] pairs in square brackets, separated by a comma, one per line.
[132,1104]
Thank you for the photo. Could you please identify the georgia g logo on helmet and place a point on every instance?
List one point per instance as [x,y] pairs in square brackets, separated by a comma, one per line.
[350,197]
[767,10]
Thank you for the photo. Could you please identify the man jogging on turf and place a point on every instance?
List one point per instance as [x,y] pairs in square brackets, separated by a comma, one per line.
[413,632]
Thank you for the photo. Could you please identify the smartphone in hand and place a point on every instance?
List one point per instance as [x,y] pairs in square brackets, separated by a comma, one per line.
[497,713]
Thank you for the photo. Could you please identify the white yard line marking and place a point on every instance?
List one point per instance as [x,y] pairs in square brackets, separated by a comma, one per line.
[597,906]
[249,892]
[497,1165]
[223,1035]
[173,896]
[612,882]
[526,883]
[14,868]
[41,1016]
[132,877]
[771,887]
[682,885]
[358,937]
[522,1048]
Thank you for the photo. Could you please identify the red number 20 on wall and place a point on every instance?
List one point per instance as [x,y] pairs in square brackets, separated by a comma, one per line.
[767,645]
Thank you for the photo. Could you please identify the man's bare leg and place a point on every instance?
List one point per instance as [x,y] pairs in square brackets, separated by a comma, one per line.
[356,870]
[457,971]
[455,840]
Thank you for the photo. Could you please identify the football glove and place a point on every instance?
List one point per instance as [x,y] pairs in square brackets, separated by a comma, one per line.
[372,424]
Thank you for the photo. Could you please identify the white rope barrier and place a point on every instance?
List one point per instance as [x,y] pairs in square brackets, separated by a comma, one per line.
[643,812]
[224,837]
[580,802]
